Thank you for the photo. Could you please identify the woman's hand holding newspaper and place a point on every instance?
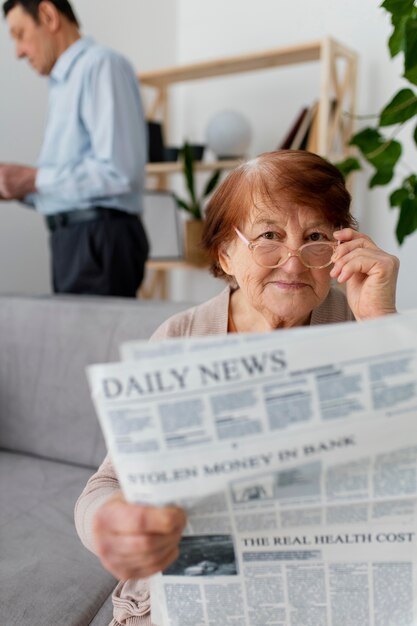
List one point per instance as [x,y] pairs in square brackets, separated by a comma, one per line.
[136,541]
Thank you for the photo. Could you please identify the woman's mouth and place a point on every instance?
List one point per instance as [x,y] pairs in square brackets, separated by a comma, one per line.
[289,286]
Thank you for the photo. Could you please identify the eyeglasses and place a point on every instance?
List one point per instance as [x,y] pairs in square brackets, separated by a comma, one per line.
[315,255]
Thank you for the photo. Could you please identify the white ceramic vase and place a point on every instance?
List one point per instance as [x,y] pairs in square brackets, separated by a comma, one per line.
[228,134]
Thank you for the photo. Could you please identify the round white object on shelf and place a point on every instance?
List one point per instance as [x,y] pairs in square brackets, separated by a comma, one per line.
[228,134]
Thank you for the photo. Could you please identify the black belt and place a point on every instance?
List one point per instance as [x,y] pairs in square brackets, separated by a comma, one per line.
[60,220]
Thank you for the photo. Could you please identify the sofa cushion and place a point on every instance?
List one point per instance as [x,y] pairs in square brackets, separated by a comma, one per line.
[105,614]
[46,575]
[46,343]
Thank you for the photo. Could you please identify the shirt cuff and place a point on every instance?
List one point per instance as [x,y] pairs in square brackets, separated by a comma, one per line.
[45,178]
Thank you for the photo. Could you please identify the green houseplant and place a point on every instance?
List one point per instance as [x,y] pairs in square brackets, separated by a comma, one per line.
[194,206]
[194,203]
[383,151]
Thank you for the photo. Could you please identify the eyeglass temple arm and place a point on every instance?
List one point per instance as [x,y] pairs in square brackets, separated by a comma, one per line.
[340,228]
[241,237]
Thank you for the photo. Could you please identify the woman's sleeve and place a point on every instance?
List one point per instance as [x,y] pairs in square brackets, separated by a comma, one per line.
[131,598]
[99,488]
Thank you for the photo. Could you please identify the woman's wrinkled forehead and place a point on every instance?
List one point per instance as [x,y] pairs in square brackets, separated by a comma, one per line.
[266,212]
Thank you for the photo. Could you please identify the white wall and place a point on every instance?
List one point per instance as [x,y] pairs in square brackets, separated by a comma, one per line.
[23,239]
[271,99]
[164,32]
[146,33]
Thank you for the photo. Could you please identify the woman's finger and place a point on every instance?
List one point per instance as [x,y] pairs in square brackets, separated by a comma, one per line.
[121,517]
[365,262]
[134,546]
[359,243]
[126,556]
[349,234]
[137,568]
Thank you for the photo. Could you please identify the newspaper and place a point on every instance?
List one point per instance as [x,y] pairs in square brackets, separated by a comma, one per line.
[295,456]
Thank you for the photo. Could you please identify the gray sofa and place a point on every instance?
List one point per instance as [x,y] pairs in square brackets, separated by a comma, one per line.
[50,443]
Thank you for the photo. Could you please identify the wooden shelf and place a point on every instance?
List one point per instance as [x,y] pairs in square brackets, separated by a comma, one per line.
[337,83]
[201,166]
[173,264]
[157,285]
[266,59]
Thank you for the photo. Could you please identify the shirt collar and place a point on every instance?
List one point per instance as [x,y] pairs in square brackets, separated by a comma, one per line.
[65,62]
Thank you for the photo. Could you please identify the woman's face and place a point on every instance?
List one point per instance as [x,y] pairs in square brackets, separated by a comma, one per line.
[284,296]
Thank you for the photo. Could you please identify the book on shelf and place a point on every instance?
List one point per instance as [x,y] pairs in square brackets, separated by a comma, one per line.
[300,135]
[300,140]
[304,133]
[313,135]
[289,138]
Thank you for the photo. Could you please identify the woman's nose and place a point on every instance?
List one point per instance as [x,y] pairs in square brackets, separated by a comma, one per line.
[293,261]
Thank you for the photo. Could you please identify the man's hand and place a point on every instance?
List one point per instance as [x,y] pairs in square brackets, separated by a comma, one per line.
[16,181]
[135,541]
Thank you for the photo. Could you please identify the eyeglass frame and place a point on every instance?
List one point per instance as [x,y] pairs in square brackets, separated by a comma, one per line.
[291,253]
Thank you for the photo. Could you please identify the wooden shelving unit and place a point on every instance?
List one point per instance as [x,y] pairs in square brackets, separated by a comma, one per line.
[157,286]
[338,65]
[336,95]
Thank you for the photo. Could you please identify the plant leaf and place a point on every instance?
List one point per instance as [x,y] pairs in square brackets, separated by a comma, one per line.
[188,169]
[398,196]
[400,11]
[411,184]
[407,221]
[196,212]
[212,183]
[381,177]
[402,107]
[383,154]
[410,51]
[182,204]
[347,166]
[396,42]
[405,197]
[398,7]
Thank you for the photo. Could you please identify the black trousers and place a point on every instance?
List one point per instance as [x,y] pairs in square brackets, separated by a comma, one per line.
[104,257]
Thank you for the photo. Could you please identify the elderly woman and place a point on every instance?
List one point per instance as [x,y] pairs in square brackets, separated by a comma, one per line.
[278,229]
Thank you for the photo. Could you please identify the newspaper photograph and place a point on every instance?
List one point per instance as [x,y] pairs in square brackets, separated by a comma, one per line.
[295,457]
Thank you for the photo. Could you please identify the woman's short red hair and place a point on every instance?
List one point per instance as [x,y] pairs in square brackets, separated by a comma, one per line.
[295,176]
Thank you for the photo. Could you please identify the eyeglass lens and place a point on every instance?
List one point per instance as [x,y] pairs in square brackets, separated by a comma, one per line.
[313,255]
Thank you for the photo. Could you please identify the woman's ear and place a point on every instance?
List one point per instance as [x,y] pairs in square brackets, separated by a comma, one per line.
[225,261]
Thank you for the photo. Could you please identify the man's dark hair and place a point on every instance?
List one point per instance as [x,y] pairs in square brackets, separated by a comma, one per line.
[32,7]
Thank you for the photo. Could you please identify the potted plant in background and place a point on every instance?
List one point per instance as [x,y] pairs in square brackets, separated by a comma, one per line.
[382,152]
[193,205]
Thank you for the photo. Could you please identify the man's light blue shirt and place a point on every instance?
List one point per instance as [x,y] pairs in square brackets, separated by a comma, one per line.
[95,144]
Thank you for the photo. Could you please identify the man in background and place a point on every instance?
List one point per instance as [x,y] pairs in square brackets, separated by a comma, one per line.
[90,176]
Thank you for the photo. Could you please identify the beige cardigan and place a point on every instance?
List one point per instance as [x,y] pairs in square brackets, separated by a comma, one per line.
[131,598]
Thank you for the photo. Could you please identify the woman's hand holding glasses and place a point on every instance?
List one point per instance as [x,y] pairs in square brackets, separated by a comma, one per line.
[370,274]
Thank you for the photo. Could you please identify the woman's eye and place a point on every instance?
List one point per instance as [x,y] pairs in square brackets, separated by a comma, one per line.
[317,237]
[269,235]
